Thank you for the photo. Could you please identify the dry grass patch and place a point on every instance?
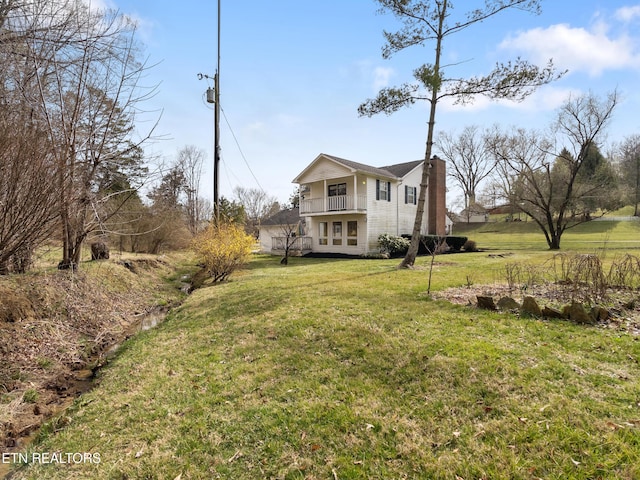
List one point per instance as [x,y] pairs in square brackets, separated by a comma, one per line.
[54,327]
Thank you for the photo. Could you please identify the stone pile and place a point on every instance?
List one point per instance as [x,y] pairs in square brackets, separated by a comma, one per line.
[575,312]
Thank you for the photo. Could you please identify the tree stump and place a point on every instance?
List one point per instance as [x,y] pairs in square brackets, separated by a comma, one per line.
[99,251]
[530,307]
[486,302]
[577,313]
[508,303]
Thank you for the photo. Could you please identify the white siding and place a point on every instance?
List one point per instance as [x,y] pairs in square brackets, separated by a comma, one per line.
[324,169]
[264,237]
[407,212]
[382,215]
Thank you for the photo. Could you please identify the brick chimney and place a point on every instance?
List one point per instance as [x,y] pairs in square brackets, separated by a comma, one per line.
[437,197]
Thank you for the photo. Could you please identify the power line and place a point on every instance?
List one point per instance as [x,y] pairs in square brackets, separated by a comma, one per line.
[241,152]
[229,172]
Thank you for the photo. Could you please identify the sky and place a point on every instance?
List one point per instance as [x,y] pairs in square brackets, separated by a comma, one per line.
[293,72]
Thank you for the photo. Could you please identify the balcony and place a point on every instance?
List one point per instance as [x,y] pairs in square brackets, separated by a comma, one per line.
[337,203]
[299,245]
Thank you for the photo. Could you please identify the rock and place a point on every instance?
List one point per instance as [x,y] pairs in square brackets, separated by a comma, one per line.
[599,314]
[530,307]
[551,312]
[508,303]
[486,302]
[99,251]
[577,313]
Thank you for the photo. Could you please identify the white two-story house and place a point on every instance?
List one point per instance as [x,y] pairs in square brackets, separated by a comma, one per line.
[347,205]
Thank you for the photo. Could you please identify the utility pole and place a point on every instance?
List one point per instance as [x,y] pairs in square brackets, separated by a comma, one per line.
[216,137]
[213,96]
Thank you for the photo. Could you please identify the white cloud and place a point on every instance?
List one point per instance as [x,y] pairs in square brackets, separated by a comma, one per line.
[628,14]
[99,4]
[288,120]
[545,99]
[480,103]
[577,49]
[256,127]
[381,76]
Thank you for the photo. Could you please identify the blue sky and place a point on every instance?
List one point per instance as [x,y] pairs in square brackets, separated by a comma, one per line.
[293,73]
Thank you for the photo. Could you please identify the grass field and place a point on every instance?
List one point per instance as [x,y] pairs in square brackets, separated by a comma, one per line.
[346,369]
[586,237]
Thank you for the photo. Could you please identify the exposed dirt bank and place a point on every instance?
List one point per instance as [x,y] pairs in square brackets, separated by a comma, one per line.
[56,326]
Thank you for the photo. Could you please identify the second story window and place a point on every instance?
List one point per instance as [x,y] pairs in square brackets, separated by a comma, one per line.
[383,190]
[337,189]
[410,195]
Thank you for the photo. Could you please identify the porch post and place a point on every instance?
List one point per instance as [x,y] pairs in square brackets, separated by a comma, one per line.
[355,192]
[324,196]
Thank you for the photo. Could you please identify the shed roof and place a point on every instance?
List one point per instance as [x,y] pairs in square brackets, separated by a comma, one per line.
[289,216]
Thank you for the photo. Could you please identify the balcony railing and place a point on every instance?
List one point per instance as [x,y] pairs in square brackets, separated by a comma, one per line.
[300,244]
[333,204]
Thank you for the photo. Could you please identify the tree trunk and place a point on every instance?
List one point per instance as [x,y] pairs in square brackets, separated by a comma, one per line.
[410,258]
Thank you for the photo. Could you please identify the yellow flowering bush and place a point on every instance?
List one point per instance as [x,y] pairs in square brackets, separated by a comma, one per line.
[223,247]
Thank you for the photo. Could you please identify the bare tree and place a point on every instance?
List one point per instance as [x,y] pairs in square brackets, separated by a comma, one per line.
[545,183]
[290,232]
[431,20]
[434,248]
[468,158]
[28,200]
[87,93]
[630,169]
[191,159]
[257,204]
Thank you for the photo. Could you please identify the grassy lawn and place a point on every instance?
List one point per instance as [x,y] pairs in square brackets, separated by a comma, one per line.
[586,237]
[345,369]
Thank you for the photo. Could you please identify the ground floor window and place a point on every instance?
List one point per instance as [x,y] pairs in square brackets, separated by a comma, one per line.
[337,233]
[352,233]
[322,233]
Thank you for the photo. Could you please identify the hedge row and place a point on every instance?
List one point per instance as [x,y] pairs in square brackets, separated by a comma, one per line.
[428,243]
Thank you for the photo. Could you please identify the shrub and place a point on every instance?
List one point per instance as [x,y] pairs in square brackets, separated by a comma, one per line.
[470,246]
[429,243]
[393,245]
[223,248]
[456,243]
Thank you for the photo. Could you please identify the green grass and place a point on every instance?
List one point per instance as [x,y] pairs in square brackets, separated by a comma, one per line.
[591,236]
[624,211]
[345,369]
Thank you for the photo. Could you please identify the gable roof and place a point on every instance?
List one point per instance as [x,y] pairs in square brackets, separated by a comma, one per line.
[401,169]
[396,171]
[360,167]
[284,217]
